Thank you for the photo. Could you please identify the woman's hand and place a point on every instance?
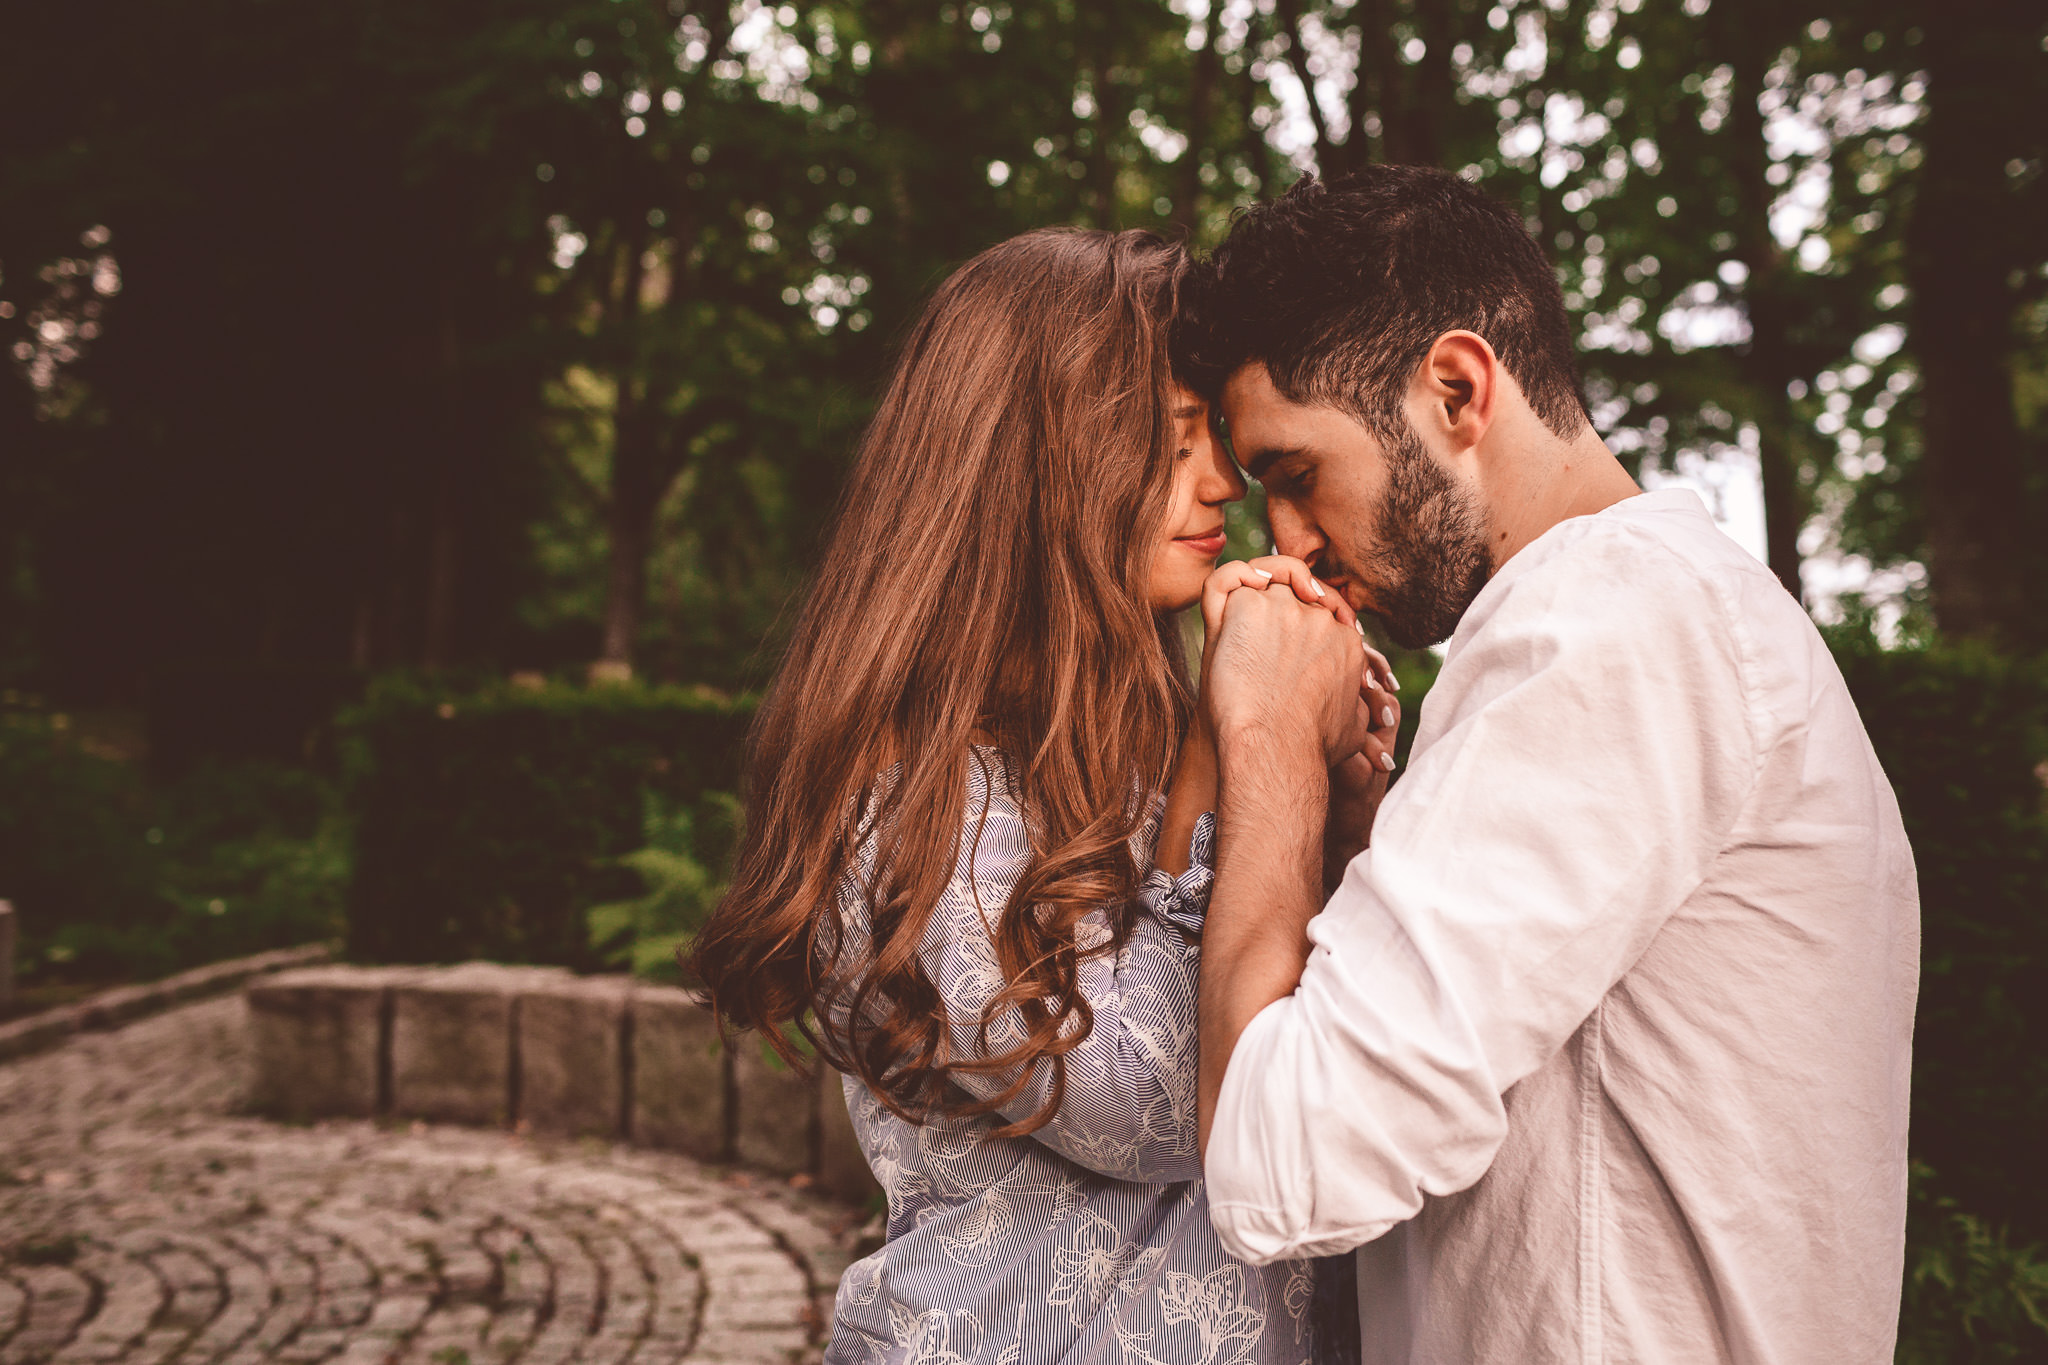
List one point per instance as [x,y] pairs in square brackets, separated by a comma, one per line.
[1357,786]
[1377,677]
[1358,782]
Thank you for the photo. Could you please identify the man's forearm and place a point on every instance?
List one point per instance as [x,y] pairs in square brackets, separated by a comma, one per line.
[1269,876]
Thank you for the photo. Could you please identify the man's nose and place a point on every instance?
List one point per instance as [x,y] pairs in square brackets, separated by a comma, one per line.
[1293,534]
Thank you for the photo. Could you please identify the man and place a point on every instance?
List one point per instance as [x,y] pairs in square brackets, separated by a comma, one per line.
[1600,1050]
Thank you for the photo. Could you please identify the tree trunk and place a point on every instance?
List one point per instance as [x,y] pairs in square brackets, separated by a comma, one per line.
[631,513]
[1201,122]
[1748,41]
[1328,157]
[443,538]
[1111,111]
[1435,90]
[1961,247]
[1378,54]
[630,526]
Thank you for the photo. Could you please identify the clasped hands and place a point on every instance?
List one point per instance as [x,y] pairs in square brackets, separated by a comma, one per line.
[1288,674]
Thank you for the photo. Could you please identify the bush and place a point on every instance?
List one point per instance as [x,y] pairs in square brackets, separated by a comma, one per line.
[1971,1298]
[488,823]
[75,857]
[1960,732]
[116,880]
[684,866]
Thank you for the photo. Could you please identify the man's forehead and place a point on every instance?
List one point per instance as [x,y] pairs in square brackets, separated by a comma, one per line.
[1267,426]
[1253,405]
[1250,384]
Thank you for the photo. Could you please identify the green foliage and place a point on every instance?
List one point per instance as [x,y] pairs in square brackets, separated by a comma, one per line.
[1971,1297]
[683,871]
[255,854]
[117,880]
[74,856]
[489,822]
[1960,731]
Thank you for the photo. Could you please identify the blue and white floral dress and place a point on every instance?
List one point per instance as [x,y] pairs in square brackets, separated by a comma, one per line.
[1089,1239]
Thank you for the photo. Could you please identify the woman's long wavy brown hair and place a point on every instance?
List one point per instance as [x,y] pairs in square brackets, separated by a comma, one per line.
[984,582]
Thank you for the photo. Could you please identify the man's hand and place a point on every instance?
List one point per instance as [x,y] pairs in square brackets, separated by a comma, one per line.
[1290,673]
[1358,780]
[1293,707]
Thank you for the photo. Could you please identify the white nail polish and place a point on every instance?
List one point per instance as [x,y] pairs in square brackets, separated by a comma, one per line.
[1386,715]
[1262,573]
[1318,587]
[1387,762]
[1394,680]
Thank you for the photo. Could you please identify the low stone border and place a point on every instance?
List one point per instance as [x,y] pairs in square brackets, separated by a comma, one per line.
[541,1049]
[124,1003]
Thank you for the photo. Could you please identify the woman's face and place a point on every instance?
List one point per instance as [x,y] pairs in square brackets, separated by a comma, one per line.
[1204,480]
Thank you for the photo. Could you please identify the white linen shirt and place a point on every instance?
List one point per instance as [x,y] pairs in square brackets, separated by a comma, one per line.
[1602,1048]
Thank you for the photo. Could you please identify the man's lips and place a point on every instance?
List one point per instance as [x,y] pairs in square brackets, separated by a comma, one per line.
[1355,600]
[1207,543]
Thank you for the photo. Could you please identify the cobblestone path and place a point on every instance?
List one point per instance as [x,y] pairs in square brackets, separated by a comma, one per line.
[142,1220]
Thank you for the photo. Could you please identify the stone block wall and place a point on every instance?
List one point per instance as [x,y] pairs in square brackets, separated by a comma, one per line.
[575,1056]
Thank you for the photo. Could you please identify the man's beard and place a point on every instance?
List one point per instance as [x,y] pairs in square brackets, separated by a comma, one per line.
[1431,555]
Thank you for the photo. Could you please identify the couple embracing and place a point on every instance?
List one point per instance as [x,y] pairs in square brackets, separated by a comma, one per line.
[1590,1037]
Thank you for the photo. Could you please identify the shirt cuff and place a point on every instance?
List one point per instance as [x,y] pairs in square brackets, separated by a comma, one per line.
[1183,901]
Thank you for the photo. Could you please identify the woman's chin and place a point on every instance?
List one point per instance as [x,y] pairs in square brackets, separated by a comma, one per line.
[1174,597]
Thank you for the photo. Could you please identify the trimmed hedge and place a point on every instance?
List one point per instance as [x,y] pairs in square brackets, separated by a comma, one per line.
[487,823]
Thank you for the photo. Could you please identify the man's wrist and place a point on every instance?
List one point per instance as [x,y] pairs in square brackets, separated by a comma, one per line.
[1260,743]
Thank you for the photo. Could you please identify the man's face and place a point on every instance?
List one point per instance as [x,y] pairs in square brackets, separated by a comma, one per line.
[1387,524]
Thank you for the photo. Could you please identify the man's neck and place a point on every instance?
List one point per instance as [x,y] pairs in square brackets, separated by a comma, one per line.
[1545,481]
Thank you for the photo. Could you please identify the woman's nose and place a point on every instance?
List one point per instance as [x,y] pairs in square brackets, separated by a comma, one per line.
[1221,482]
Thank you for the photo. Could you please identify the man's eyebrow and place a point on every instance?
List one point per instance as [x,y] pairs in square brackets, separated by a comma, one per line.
[1265,457]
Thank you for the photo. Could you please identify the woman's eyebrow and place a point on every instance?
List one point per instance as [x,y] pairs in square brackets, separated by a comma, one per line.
[1189,411]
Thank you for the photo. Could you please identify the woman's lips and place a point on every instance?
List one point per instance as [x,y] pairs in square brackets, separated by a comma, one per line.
[1209,543]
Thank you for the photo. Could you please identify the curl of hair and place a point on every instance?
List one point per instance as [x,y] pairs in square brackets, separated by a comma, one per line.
[984,582]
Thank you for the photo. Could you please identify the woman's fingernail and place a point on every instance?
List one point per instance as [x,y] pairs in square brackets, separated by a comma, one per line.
[1318,587]
[1386,715]
[1394,680]
[1387,762]
[1262,573]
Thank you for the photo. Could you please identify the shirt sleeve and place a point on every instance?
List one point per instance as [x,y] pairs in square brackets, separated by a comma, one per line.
[1129,1106]
[1582,757]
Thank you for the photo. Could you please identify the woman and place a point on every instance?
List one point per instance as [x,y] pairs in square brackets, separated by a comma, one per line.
[947,881]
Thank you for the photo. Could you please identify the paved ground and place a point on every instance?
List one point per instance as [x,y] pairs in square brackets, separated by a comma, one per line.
[143,1220]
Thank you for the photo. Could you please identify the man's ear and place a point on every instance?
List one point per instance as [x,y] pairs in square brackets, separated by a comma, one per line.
[1458,387]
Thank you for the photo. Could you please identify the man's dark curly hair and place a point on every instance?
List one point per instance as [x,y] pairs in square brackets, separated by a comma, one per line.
[1341,289]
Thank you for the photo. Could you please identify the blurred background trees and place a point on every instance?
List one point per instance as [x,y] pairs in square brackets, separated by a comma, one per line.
[445,342]
[533,334]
